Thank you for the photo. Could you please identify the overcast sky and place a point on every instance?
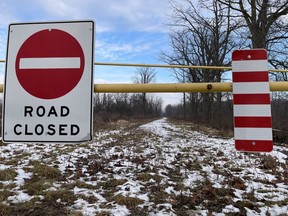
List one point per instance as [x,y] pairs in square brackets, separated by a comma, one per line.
[127,31]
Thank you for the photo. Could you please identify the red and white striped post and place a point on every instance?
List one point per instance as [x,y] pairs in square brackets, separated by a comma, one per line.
[251,101]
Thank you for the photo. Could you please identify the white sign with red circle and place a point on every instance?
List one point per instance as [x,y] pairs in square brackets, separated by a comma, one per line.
[49,82]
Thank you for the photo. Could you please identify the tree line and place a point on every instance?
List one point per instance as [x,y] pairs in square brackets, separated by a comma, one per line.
[125,106]
[110,107]
[205,33]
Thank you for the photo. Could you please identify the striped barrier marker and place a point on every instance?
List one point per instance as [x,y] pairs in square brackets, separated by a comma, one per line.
[251,101]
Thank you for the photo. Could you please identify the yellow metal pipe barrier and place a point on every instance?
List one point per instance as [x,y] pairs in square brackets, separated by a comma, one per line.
[174,87]
[177,87]
[176,66]
[170,66]
[162,66]
[163,87]
[278,86]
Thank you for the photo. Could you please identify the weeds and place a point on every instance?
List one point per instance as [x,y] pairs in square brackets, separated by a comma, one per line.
[44,171]
[7,174]
[269,163]
[112,184]
[4,194]
[32,208]
[130,202]
[144,177]
[36,186]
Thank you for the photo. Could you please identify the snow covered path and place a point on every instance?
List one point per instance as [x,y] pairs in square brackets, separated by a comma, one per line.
[160,168]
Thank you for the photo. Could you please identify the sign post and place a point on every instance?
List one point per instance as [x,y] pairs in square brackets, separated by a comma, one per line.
[251,101]
[49,82]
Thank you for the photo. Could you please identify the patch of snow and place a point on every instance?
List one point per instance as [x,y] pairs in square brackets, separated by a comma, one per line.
[170,190]
[20,197]
[3,167]
[282,158]
[22,175]
[120,210]
[159,127]
[192,178]
[230,208]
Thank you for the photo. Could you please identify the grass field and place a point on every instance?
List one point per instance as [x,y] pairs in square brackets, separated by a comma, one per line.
[133,168]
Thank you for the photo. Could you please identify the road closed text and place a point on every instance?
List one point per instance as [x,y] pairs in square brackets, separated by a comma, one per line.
[43,129]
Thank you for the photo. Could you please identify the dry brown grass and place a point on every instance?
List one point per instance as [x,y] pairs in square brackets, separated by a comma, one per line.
[8,174]
[153,163]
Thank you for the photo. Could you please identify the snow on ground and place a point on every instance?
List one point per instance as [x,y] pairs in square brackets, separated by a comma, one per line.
[159,168]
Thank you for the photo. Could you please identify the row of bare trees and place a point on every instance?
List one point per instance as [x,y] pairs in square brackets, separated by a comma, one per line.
[125,106]
[110,107]
[206,33]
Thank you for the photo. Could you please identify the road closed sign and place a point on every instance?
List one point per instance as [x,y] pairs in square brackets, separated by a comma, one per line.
[49,82]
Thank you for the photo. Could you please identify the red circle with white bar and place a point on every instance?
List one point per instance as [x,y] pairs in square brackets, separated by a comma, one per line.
[49,64]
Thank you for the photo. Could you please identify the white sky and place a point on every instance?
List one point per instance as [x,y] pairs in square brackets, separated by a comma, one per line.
[127,31]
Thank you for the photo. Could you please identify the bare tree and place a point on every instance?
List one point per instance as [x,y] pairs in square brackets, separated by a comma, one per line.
[261,17]
[155,105]
[144,75]
[201,36]
[266,22]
